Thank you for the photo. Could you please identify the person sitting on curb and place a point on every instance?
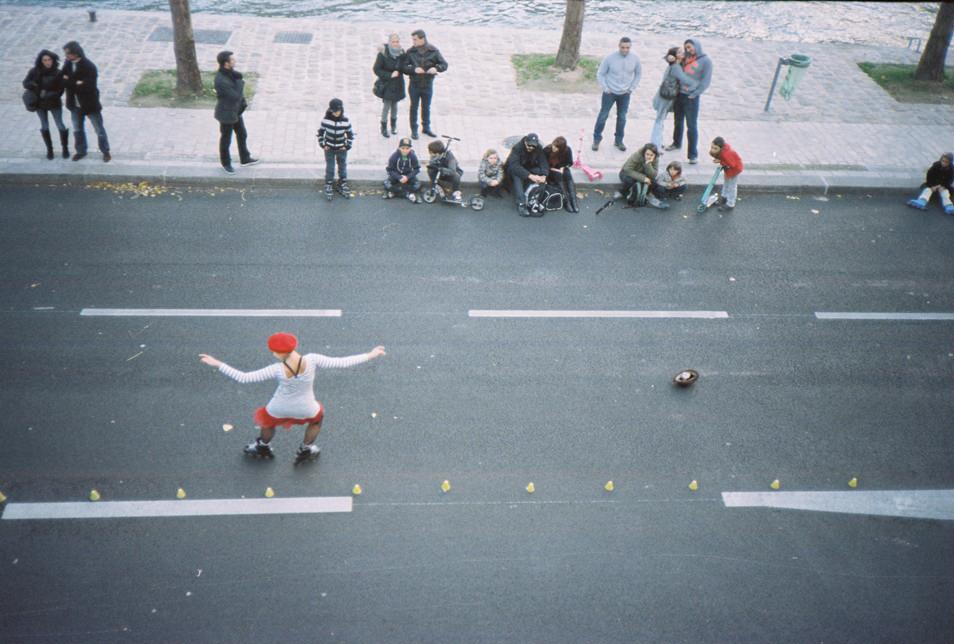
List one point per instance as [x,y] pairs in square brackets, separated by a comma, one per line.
[637,176]
[403,168]
[721,152]
[939,178]
[670,184]
[560,159]
[490,174]
[525,164]
[442,166]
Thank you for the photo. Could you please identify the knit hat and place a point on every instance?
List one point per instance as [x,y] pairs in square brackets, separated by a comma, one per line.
[949,156]
[335,105]
[282,342]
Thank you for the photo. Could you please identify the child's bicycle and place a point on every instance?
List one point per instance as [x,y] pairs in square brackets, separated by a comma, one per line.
[710,198]
[438,193]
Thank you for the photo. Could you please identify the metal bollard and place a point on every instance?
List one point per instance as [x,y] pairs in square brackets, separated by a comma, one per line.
[92,15]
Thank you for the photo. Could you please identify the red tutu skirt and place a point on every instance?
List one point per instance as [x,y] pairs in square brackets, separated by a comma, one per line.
[264,419]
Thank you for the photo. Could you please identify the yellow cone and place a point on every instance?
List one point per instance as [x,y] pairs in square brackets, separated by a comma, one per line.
[180,493]
[269,492]
[356,490]
[775,485]
[852,483]
[2,497]
[445,486]
[94,495]
[694,485]
[609,487]
[530,488]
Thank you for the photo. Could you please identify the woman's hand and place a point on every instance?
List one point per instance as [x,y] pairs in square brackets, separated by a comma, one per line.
[377,352]
[209,360]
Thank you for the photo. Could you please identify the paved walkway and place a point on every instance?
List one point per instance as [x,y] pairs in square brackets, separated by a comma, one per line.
[839,129]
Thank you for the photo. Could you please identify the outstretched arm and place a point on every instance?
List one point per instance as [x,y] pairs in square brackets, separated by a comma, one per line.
[328,362]
[245,377]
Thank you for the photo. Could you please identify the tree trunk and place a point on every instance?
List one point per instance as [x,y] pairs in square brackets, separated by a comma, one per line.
[931,65]
[569,55]
[188,80]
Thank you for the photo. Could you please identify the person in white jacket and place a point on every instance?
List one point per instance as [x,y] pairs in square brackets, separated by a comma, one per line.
[293,402]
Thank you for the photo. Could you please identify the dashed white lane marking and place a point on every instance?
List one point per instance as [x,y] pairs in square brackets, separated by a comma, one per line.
[826,315]
[215,313]
[205,507]
[518,313]
[915,504]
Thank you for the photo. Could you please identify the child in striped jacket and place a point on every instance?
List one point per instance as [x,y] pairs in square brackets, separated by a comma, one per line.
[335,137]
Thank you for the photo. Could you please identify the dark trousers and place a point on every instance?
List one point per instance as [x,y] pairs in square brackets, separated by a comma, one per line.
[662,192]
[685,108]
[402,189]
[621,101]
[445,178]
[519,189]
[420,96]
[341,158]
[225,141]
[79,131]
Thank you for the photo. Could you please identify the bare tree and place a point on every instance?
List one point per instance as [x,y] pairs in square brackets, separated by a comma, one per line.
[931,65]
[569,54]
[188,80]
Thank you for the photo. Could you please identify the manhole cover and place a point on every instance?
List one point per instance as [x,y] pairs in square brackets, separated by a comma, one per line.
[294,37]
[202,36]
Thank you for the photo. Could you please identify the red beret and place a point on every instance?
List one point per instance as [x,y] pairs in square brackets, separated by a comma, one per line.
[282,342]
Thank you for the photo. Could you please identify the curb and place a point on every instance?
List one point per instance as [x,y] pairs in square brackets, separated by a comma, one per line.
[13,171]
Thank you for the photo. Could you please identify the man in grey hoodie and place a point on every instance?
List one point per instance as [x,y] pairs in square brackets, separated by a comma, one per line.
[697,66]
[618,75]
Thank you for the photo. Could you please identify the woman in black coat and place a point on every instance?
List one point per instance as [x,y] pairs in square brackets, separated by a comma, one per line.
[44,80]
[387,67]
[560,157]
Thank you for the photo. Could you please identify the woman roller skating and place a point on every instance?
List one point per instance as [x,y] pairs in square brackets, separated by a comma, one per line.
[293,402]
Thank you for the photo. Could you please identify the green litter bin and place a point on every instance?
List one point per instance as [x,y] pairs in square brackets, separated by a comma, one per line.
[797,64]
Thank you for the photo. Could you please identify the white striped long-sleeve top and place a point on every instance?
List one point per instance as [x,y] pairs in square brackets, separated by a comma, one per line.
[294,397]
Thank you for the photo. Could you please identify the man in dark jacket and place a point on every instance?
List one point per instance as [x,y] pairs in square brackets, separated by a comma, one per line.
[526,164]
[229,104]
[82,99]
[422,63]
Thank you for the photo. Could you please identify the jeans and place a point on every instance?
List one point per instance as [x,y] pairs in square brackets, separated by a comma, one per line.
[79,133]
[45,119]
[729,190]
[225,141]
[622,106]
[420,96]
[398,188]
[339,156]
[662,192]
[688,109]
[390,106]
[452,178]
[519,190]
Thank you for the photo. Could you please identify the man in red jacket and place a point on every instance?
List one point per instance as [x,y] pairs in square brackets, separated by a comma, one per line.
[722,153]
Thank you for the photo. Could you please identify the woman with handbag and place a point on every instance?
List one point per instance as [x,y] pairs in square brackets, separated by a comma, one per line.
[668,90]
[389,86]
[44,81]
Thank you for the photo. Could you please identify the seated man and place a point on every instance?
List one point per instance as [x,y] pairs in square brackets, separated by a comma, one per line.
[526,164]
[442,167]
[403,168]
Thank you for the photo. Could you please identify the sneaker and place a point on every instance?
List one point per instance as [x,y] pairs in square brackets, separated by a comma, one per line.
[457,196]
[412,197]
[228,169]
[725,208]
[251,161]
[388,195]
[107,157]
[617,195]
[693,161]
[596,146]
[677,197]
[429,132]
[78,156]
[620,146]
[671,147]
[522,210]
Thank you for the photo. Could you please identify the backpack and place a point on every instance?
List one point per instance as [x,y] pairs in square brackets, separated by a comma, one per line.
[543,197]
[669,89]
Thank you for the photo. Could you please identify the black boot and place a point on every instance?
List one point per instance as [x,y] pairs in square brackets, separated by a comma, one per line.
[49,143]
[65,142]
[384,129]
[393,125]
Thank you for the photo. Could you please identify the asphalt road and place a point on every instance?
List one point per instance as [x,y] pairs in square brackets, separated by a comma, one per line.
[124,406]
